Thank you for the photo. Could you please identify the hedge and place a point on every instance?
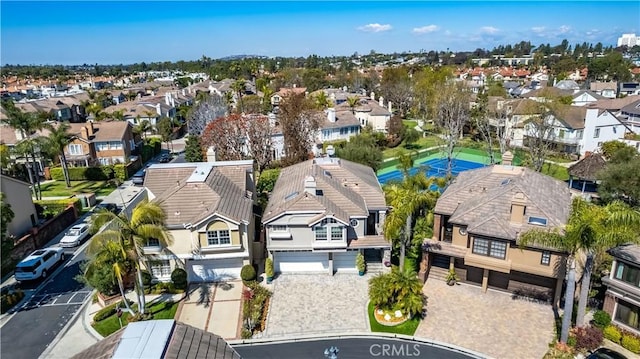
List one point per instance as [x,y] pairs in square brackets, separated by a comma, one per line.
[122,172]
[59,205]
[101,173]
[108,311]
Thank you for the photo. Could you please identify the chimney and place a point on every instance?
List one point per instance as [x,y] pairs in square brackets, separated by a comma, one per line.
[381,101]
[518,207]
[211,154]
[84,133]
[158,110]
[331,114]
[90,129]
[310,185]
[373,95]
[272,119]
[19,135]
[507,158]
[389,107]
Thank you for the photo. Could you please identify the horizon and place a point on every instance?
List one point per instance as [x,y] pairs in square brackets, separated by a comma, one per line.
[112,33]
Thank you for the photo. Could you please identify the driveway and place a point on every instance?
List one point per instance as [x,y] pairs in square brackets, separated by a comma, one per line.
[214,307]
[491,323]
[317,304]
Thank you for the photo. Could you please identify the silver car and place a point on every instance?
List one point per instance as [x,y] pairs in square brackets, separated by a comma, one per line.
[75,235]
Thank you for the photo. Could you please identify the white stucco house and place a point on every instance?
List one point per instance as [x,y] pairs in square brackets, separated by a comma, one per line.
[601,126]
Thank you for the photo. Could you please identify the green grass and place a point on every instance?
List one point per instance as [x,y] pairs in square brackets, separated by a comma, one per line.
[407,328]
[410,123]
[59,188]
[159,310]
[423,142]
[558,172]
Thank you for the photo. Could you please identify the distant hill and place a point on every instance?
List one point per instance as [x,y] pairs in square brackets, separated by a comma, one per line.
[242,57]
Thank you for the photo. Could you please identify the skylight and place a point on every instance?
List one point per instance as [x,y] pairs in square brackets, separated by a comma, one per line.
[505,182]
[291,196]
[538,221]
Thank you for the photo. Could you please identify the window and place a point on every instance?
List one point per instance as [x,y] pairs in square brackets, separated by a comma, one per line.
[596,134]
[485,247]
[336,233]
[321,233]
[539,221]
[102,146]
[279,228]
[218,238]
[153,242]
[546,258]
[561,135]
[628,274]
[160,269]
[75,149]
[627,314]
[103,160]
[115,145]
[329,229]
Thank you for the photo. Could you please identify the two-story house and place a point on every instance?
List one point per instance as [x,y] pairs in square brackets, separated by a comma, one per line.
[102,143]
[339,124]
[321,213]
[604,89]
[478,221]
[18,195]
[622,298]
[210,214]
[564,127]
[370,112]
[601,126]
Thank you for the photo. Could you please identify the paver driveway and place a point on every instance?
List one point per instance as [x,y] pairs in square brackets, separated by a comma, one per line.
[214,307]
[491,323]
[318,304]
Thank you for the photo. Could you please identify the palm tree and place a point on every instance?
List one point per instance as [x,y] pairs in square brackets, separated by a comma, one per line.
[239,87]
[585,232]
[147,222]
[353,101]
[322,101]
[111,254]
[143,127]
[57,140]
[415,194]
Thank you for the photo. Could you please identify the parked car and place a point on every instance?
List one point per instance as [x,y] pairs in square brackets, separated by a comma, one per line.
[111,207]
[165,158]
[75,236]
[39,263]
[605,353]
[138,178]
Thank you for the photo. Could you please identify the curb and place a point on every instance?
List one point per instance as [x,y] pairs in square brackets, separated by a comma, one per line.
[65,329]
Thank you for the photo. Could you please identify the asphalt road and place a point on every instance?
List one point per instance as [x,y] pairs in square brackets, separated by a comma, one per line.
[28,333]
[349,348]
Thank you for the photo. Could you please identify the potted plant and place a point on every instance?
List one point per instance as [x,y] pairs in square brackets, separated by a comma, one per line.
[268,269]
[452,277]
[361,265]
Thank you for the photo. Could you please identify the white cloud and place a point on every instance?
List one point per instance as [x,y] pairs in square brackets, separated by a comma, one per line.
[425,29]
[564,29]
[538,29]
[593,32]
[375,27]
[489,30]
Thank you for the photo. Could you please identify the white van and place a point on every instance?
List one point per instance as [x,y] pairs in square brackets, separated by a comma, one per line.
[39,263]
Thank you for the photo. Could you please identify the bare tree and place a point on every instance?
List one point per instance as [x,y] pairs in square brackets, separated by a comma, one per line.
[259,132]
[208,109]
[299,122]
[452,104]
[539,132]
[480,121]
[227,136]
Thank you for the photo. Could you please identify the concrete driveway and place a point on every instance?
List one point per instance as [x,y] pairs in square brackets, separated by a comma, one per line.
[317,304]
[214,307]
[491,323]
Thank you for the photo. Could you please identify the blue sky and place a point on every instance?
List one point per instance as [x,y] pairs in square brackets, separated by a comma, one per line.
[115,32]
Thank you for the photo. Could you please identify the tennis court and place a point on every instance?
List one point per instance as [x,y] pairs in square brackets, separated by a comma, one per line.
[434,167]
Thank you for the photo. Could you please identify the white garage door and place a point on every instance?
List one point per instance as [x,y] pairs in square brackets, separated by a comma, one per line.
[214,270]
[345,261]
[296,262]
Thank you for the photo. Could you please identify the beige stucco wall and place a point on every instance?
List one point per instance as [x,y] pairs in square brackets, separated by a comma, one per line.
[182,242]
[459,239]
[18,195]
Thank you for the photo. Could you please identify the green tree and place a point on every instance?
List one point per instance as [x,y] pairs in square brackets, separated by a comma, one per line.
[620,179]
[193,149]
[6,215]
[165,129]
[142,128]
[131,235]
[362,148]
[238,88]
[353,102]
[397,290]
[57,140]
[610,148]
[107,266]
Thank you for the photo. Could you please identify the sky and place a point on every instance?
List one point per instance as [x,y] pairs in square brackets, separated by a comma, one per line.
[125,32]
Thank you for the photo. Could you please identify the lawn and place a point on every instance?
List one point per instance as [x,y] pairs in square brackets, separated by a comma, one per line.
[159,310]
[59,188]
[558,172]
[423,142]
[407,328]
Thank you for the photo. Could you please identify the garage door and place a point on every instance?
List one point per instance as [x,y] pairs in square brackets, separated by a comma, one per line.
[345,261]
[214,270]
[297,262]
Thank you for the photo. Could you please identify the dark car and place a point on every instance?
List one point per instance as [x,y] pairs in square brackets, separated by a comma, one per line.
[604,353]
[165,158]
[111,207]
[138,178]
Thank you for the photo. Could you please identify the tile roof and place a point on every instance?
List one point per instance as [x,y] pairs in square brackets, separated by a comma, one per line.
[348,189]
[548,91]
[481,200]
[188,197]
[599,86]
[571,116]
[629,252]
[590,93]
[615,104]
[103,130]
[632,108]
[344,118]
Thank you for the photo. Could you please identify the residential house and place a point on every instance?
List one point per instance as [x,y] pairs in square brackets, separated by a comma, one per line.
[18,195]
[373,113]
[604,89]
[622,298]
[103,143]
[210,215]
[567,129]
[321,213]
[630,115]
[339,124]
[628,88]
[585,97]
[478,221]
[602,126]
[277,97]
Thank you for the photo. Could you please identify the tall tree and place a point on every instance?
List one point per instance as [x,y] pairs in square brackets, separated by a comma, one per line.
[299,121]
[238,88]
[539,130]
[112,257]
[57,140]
[620,179]
[208,108]
[227,136]
[147,222]
[362,148]
[193,149]
[353,102]
[165,130]
[480,120]
[396,87]
[452,105]
[427,84]
[6,216]
[259,132]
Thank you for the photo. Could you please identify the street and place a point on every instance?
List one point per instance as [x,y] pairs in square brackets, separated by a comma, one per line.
[352,348]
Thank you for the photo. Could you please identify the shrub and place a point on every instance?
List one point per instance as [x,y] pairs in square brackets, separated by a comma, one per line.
[101,173]
[248,273]
[612,333]
[572,341]
[179,278]
[268,267]
[56,206]
[588,338]
[108,311]
[601,319]
[146,278]
[631,343]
